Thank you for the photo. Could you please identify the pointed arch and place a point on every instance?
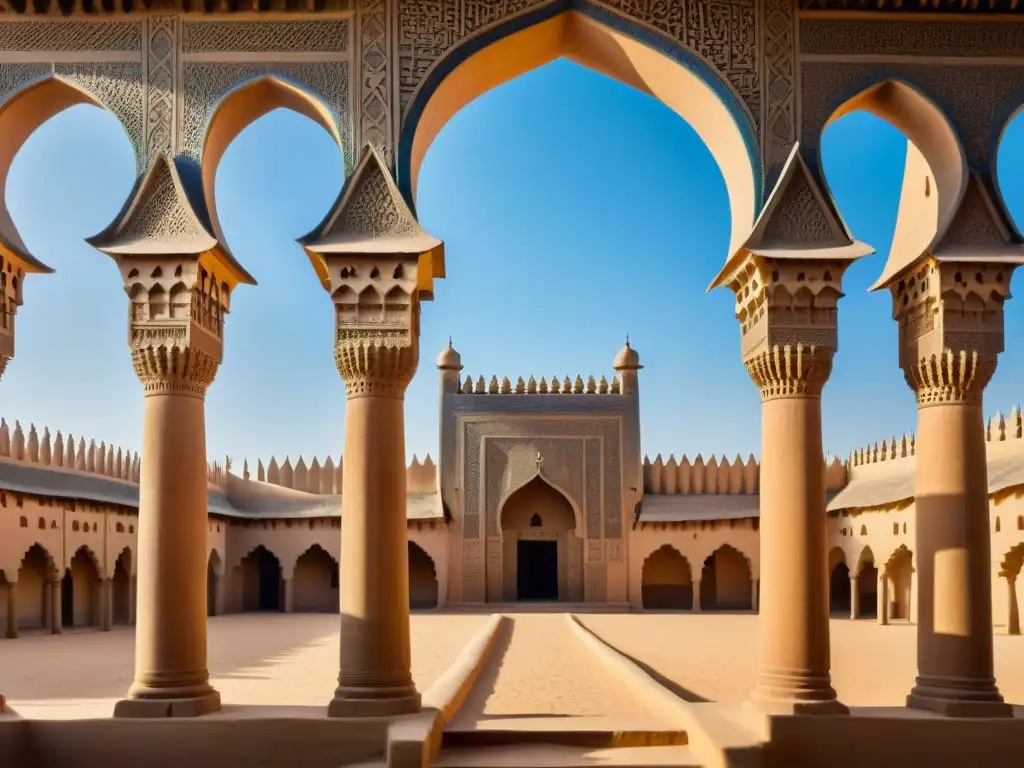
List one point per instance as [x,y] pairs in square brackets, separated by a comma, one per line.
[543,477]
[899,569]
[606,42]
[315,581]
[666,581]
[935,172]
[867,574]
[422,578]
[24,111]
[726,581]
[35,572]
[839,586]
[261,580]
[246,103]
[121,588]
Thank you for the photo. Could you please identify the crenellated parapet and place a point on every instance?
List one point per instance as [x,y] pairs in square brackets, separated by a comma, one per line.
[533,386]
[323,478]
[59,452]
[720,476]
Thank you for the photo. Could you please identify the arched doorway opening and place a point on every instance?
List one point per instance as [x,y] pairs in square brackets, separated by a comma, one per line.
[543,562]
[422,579]
[35,575]
[121,588]
[6,622]
[262,585]
[839,587]
[630,53]
[80,591]
[867,585]
[725,582]
[899,570]
[665,582]
[315,582]
[213,584]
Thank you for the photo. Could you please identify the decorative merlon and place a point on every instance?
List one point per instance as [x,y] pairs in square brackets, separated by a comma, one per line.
[323,478]
[998,428]
[60,453]
[531,386]
[720,476]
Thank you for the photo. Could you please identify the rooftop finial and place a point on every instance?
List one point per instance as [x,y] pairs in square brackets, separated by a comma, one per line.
[627,339]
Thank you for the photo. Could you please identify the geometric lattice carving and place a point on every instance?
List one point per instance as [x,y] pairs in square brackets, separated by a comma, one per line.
[59,35]
[779,132]
[117,85]
[205,83]
[161,53]
[375,118]
[306,35]
[724,32]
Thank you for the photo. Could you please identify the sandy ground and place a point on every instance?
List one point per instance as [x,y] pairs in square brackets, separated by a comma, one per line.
[542,670]
[713,657]
[253,659]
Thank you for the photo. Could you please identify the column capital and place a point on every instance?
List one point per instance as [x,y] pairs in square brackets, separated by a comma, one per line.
[375,365]
[950,319]
[790,370]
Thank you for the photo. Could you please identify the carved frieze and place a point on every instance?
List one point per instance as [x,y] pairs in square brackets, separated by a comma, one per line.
[779,82]
[898,37]
[312,35]
[61,35]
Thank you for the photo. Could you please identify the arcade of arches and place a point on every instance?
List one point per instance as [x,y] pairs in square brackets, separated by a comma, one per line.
[541,491]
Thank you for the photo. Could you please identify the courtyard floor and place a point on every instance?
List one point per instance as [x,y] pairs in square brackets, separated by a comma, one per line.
[540,669]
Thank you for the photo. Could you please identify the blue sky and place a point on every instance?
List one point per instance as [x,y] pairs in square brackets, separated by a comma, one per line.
[574,210]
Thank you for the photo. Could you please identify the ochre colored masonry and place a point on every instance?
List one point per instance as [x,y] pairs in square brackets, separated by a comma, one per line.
[693,542]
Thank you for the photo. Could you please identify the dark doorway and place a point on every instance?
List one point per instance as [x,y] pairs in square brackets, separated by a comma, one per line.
[537,570]
[67,599]
[270,582]
[839,591]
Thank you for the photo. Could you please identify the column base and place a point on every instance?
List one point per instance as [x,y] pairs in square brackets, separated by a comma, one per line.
[358,702]
[180,706]
[959,698]
[778,694]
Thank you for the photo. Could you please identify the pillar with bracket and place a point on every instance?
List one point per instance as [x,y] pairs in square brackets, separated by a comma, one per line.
[179,281]
[854,595]
[787,280]
[948,306]
[378,265]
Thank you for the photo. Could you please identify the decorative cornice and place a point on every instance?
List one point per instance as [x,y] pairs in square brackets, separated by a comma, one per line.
[915,7]
[100,8]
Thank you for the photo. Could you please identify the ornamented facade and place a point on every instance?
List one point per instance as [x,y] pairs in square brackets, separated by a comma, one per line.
[759,80]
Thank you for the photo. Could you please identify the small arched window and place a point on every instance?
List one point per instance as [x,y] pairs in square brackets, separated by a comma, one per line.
[42,524]
[131,528]
[74,525]
[119,528]
[863,530]
[24,522]
[998,526]
[536,522]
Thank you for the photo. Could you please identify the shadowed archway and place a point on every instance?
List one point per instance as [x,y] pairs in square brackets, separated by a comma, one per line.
[665,581]
[121,589]
[262,585]
[315,582]
[839,586]
[725,582]
[422,579]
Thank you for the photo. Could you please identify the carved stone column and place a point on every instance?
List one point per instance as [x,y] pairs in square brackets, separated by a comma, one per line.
[854,596]
[787,280]
[12,609]
[948,306]
[696,595]
[882,598]
[179,280]
[378,264]
[55,607]
[950,317]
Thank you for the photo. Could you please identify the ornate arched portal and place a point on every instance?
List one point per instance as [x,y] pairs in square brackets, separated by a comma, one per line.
[627,51]
[540,562]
